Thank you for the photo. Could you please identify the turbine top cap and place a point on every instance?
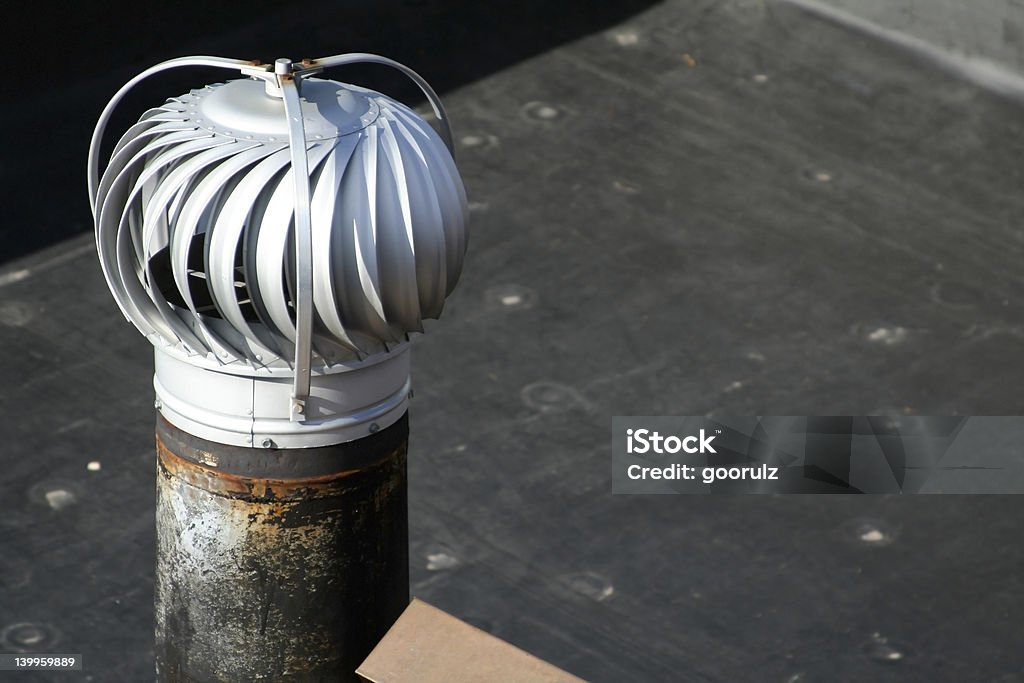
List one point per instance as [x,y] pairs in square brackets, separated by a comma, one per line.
[242,109]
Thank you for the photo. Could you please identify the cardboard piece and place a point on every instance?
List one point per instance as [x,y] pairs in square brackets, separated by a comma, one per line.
[427,645]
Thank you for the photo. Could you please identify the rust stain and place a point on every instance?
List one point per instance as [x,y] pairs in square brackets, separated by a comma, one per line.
[258,489]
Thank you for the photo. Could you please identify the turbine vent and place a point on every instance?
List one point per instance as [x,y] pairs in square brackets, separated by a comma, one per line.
[280,227]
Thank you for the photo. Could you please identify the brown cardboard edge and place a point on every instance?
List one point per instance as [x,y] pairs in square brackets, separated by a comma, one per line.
[428,645]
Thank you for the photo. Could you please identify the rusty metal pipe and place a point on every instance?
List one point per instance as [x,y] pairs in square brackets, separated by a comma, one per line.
[278,249]
[277,565]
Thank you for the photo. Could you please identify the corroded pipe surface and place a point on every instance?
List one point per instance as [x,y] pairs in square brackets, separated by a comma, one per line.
[277,565]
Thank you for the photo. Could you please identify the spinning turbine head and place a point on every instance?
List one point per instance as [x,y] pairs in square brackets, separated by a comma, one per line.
[277,238]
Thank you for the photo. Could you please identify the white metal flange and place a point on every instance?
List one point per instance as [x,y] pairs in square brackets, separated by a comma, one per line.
[253,410]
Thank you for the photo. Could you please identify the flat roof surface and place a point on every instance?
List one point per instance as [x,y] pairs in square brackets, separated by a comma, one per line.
[682,208]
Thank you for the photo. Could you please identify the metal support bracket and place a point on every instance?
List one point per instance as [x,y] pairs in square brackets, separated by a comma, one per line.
[303,241]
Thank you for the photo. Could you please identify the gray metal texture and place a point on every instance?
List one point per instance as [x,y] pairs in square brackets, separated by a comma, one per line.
[279,224]
[277,565]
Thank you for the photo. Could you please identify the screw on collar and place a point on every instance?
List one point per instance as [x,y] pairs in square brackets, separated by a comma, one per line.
[281,69]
